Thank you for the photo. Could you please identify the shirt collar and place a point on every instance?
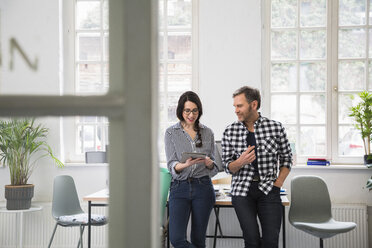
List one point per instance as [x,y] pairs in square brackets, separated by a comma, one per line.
[257,123]
[178,125]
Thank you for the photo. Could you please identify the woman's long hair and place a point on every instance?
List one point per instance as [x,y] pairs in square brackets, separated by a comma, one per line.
[192,97]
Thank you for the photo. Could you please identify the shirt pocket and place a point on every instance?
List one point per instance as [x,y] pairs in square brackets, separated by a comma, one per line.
[270,146]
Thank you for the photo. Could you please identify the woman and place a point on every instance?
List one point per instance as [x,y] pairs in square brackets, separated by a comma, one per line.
[191,190]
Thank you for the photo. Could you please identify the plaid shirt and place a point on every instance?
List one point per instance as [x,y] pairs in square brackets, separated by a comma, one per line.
[272,148]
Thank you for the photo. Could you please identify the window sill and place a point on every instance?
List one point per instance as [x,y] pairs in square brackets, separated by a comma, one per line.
[82,164]
[330,167]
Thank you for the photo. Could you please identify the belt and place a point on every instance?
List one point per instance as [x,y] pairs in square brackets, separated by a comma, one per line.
[193,179]
[256,179]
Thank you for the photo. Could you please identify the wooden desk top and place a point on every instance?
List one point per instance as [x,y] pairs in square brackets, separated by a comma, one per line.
[103,196]
[99,196]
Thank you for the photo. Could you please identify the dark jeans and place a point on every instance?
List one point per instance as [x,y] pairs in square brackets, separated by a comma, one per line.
[195,197]
[268,208]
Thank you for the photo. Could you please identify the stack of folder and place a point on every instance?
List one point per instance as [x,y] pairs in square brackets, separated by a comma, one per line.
[318,161]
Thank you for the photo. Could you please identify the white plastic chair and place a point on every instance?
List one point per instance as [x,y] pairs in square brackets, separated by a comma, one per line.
[66,208]
[310,209]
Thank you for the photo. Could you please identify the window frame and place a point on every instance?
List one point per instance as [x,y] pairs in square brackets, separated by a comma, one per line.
[70,77]
[331,88]
[164,122]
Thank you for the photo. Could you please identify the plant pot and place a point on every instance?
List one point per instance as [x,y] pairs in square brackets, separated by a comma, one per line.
[19,196]
[368,159]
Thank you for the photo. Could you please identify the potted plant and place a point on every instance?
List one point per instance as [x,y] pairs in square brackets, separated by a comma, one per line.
[22,144]
[362,114]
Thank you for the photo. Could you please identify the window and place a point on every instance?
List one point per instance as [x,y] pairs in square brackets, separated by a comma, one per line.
[86,72]
[177,66]
[314,64]
[177,58]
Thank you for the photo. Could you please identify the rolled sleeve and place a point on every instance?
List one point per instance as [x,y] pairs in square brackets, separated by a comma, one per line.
[227,152]
[285,152]
[170,153]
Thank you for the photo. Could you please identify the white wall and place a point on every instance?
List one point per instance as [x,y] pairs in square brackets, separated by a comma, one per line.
[230,56]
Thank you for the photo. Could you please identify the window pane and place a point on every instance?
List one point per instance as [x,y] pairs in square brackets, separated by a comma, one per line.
[179,69]
[179,46]
[106,48]
[283,44]
[313,76]
[179,83]
[313,44]
[350,142]
[105,15]
[312,109]
[283,108]
[179,13]
[352,43]
[161,46]
[352,12]
[312,141]
[88,138]
[283,77]
[161,14]
[88,15]
[291,132]
[106,75]
[89,47]
[283,13]
[90,79]
[172,106]
[313,13]
[345,101]
[351,75]
[370,43]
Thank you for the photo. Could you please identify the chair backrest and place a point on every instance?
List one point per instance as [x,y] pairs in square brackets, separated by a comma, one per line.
[65,197]
[310,201]
[218,155]
[165,179]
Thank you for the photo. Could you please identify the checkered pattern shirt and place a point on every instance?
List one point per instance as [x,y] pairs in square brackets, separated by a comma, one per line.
[273,151]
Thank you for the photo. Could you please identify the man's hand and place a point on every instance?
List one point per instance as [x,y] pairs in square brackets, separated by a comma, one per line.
[247,157]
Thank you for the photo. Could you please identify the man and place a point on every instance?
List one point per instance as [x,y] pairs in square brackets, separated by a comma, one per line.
[252,150]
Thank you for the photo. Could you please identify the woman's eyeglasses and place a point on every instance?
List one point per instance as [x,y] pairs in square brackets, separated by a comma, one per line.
[188,111]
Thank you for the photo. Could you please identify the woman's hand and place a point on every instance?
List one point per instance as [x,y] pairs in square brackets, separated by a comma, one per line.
[191,161]
[181,166]
[208,162]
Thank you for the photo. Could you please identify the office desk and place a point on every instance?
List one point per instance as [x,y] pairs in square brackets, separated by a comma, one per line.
[102,197]
[225,202]
[20,218]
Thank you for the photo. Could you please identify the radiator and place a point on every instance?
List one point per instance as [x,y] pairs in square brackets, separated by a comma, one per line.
[358,238]
[38,227]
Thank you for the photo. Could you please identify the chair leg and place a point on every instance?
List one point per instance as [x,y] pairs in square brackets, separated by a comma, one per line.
[321,243]
[51,238]
[81,236]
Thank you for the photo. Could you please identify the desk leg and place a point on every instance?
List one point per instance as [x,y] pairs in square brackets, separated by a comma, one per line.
[89,221]
[168,225]
[283,222]
[217,213]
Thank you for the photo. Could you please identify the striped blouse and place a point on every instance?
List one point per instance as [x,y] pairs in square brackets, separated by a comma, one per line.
[177,141]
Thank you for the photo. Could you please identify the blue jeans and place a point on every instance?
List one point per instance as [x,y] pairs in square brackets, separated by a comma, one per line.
[268,208]
[193,197]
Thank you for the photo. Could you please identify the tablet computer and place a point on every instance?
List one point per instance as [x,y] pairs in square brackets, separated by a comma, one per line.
[193,155]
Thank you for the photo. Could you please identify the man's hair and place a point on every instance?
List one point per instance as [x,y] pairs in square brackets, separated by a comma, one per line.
[251,95]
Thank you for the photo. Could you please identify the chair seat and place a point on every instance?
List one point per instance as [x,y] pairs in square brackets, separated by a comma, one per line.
[325,229]
[81,219]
